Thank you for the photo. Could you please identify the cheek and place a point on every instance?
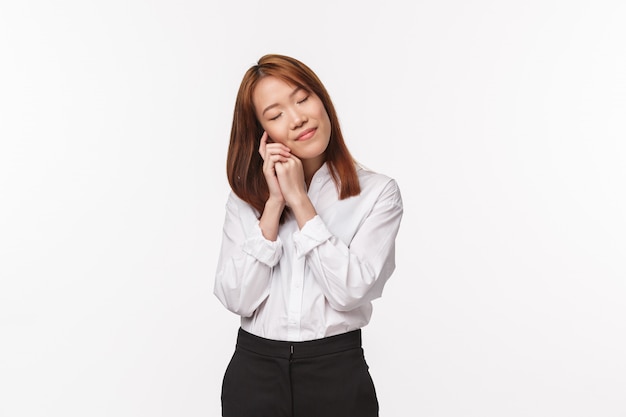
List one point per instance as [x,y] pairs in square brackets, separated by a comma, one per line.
[327,123]
[323,115]
[275,135]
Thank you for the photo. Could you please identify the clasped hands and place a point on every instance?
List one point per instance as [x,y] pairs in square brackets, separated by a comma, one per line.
[283,172]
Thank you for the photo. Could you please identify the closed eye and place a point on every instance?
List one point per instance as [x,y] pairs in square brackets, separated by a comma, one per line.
[276,117]
[303,100]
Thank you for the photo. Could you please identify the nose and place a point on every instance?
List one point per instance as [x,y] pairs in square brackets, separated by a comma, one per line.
[297,119]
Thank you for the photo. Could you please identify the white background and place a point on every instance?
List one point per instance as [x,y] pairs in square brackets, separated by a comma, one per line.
[503,122]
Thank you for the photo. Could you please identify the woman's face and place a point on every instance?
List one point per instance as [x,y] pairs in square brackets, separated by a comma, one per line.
[292,116]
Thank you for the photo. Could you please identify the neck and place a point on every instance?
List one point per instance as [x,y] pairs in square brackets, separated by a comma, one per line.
[310,167]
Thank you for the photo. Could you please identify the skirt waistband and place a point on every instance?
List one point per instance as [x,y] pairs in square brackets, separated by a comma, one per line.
[293,350]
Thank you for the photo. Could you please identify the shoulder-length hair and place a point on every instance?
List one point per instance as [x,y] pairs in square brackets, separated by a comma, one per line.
[244,163]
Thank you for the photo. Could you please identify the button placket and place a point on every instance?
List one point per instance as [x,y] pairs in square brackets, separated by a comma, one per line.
[294,312]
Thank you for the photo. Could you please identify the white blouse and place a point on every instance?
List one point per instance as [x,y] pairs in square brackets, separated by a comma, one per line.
[318,281]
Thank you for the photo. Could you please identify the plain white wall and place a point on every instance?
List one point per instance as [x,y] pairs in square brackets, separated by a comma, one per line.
[503,122]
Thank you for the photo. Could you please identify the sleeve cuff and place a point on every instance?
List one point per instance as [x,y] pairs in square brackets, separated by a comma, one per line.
[263,250]
[313,234]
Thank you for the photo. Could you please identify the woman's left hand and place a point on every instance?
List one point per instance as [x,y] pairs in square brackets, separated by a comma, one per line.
[291,179]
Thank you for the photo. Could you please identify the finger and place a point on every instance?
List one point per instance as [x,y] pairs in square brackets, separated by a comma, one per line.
[277,149]
[263,145]
[276,158]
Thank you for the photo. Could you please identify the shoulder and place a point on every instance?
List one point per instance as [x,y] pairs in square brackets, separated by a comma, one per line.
[368,175]
[373,182]
[235,204]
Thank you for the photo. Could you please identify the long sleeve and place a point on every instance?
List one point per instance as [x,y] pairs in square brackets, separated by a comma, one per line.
[352,270]
[246,260]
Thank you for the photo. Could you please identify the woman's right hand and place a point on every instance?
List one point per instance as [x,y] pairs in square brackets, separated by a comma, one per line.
[273,153]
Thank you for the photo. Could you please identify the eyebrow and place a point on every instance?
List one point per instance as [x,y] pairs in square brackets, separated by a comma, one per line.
[293,93]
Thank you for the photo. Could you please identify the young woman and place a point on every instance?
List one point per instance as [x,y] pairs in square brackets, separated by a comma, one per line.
[308,243]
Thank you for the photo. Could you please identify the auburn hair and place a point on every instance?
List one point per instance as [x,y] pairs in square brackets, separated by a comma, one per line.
[244,165]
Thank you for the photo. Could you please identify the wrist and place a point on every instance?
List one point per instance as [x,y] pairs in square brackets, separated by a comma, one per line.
[303,211]
[275,204]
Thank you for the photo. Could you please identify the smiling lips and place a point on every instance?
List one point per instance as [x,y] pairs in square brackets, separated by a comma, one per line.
[307,134]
